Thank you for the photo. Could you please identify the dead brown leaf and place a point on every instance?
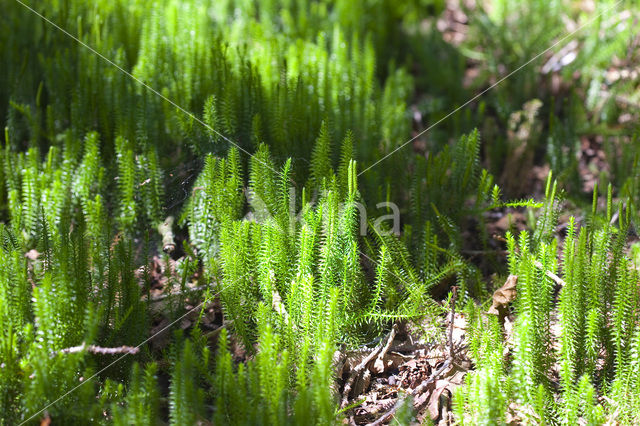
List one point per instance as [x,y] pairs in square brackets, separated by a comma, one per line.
[502,297]
[434,399]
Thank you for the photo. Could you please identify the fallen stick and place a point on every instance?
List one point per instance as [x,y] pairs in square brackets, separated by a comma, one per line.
[93,349]
[550,274]
[166,231]
[386,416]
[378,365]
[358,368]
[421,388]
[454,297]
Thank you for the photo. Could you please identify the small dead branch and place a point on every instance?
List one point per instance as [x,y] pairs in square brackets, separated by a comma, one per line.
[453,316]
[46,420]
[166,231]
[539,265]
[423,386]
[378,365]
[93,349]
[417,391]
[376,352]
[550,274]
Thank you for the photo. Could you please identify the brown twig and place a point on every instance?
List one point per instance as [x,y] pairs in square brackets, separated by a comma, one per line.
[380,358]
[93,349]
[550,274]
[538,265]
[358,368]
[166,231]
[422,387]
[454,296]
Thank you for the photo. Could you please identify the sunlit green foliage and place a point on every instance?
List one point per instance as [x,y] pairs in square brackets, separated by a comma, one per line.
[587,335]
[255,123]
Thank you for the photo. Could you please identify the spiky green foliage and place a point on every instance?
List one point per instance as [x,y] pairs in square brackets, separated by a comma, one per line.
[142,398]
[278,88]
[276,100]
[451,192]
[217,197]
[482,400]
[586,334]
[323,238]
[532,359]
[73,286]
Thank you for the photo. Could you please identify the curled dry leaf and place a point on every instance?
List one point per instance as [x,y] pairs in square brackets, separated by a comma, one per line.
[439,398]
[436,402]
[362,383]
[503,296]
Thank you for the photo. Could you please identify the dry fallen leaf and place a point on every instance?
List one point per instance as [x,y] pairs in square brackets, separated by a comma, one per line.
[390,361]
[434,400]
[503,296]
